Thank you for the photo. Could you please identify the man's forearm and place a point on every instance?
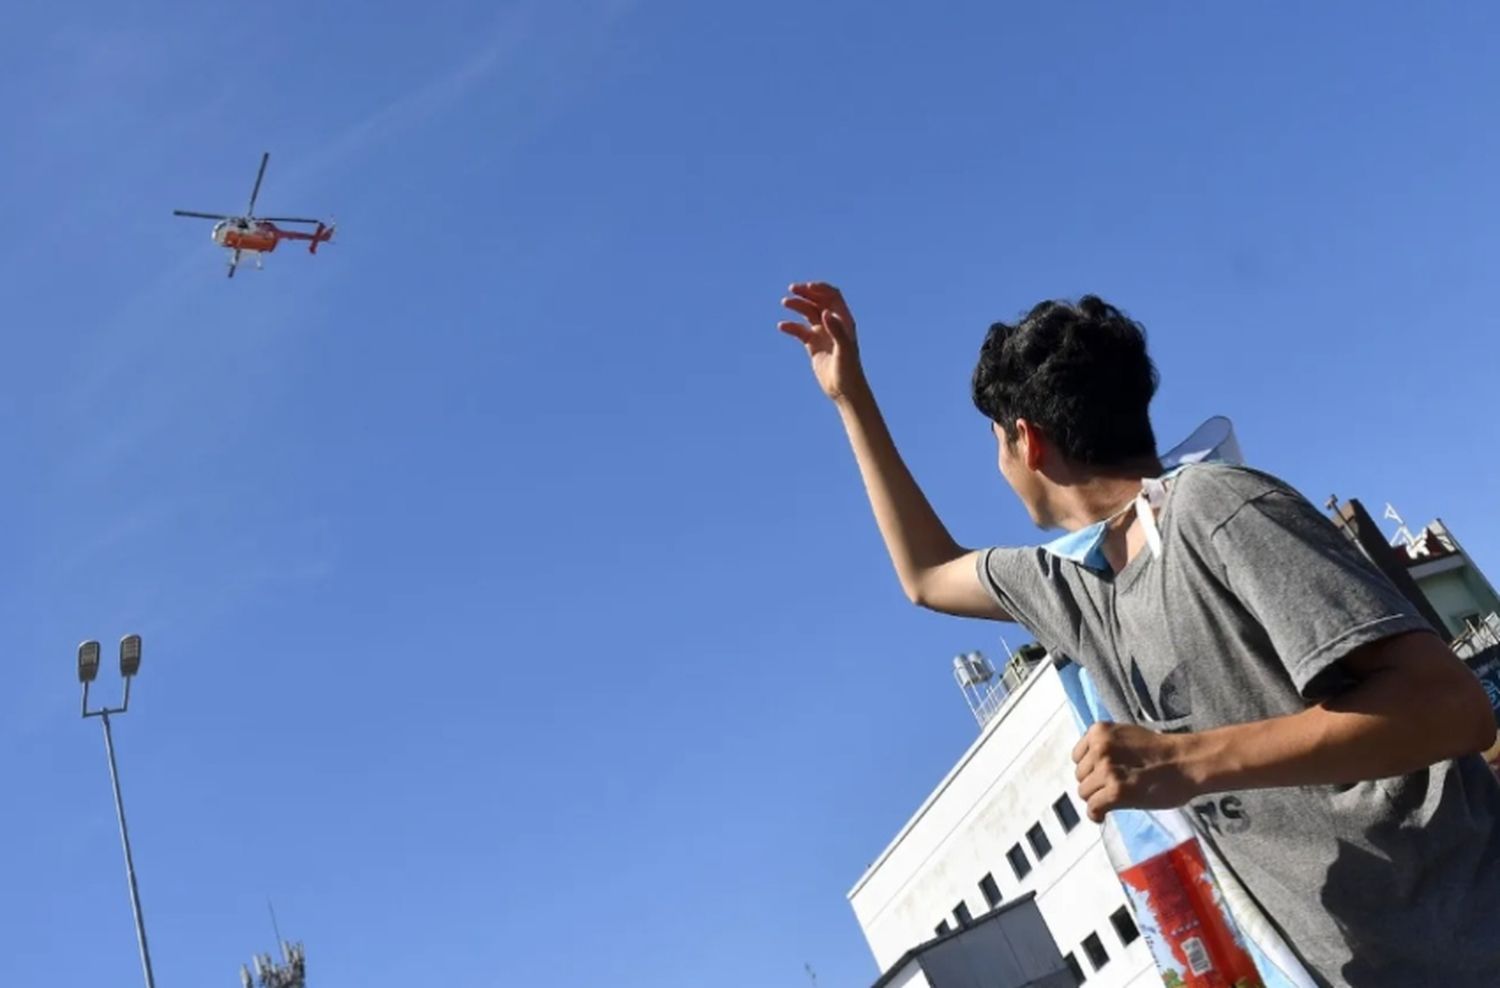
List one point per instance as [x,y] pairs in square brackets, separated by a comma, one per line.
[914,535]
[1389,725]
[1415,705]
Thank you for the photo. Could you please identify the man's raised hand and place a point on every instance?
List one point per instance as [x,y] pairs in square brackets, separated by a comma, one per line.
[827,333]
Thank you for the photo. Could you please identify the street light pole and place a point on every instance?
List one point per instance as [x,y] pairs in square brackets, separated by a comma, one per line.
[135,892]
[88,668]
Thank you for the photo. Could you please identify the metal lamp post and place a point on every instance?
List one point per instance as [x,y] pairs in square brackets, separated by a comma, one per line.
[88,668]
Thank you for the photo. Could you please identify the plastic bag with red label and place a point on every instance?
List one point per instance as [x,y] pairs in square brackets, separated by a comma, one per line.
[1203,928]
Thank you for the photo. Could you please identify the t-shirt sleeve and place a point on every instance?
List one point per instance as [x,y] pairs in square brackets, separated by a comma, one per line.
[1033,587]
[1313,592]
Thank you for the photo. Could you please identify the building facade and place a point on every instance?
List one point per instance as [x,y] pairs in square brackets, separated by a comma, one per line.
[1452,582]
[1005,822]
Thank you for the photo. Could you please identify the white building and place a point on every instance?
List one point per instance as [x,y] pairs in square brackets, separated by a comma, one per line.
[1004,822]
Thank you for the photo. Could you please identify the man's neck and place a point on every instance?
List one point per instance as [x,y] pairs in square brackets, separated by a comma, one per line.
[1109,498]
[1097,499]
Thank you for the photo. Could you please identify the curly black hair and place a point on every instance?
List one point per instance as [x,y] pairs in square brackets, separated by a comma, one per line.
[1080,371]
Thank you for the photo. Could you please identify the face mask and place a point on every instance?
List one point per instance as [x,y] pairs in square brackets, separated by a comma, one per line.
[1085,546]
[1211,442]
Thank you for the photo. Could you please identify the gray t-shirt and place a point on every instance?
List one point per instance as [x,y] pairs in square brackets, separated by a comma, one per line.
[1244,616]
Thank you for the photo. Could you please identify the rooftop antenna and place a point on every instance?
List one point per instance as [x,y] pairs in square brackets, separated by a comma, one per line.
[290,973]
[276,928]
[1009,655]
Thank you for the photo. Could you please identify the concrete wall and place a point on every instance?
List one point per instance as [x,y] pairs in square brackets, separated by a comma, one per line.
[1004,784]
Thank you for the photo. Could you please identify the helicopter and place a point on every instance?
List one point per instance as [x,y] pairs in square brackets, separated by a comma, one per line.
[259,235]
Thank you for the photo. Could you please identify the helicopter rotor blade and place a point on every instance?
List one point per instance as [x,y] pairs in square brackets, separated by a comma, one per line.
[287,219]
[255,192]
[200,216]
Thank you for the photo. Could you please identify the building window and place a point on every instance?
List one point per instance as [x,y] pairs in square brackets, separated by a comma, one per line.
[942,929]
[1037,838]
[1018,861]
[1094,947]
[1066,814]
[1074,968]
[991,891]
[1124,926]
[962,914]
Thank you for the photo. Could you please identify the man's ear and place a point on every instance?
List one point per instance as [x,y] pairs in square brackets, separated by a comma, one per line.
[1031,443]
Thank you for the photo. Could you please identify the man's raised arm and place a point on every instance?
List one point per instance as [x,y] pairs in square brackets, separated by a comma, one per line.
[935,571]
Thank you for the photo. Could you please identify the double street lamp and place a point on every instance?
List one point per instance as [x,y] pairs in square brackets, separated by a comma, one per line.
[88,669]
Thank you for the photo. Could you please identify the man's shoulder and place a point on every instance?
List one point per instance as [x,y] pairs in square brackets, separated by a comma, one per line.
[1207,495]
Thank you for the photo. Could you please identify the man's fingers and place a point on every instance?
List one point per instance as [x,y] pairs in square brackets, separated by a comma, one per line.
[837,328]
[1091,783]
[817,291]
[1080,749]
[801,331]
[1099,793]
[804,307]
[807,289]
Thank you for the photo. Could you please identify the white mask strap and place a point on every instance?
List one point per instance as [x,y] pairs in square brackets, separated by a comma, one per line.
[1153,495]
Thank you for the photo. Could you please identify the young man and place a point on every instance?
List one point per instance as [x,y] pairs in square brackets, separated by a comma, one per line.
[1260,668]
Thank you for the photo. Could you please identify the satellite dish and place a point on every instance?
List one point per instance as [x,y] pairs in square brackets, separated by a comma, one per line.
[1212,442]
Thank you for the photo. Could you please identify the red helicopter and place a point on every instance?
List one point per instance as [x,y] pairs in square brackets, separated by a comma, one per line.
[249,234]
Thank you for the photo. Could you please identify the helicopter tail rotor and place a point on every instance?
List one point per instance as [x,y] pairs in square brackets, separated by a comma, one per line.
[322,235]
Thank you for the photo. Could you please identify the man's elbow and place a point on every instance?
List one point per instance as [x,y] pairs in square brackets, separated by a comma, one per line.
[933,595]
[1482,724]
[1450,709]
[917,593]
[1469,718]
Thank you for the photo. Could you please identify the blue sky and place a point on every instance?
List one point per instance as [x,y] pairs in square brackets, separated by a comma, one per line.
[512,612]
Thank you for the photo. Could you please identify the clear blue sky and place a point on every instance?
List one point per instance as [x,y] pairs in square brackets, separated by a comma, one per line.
[512,612]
